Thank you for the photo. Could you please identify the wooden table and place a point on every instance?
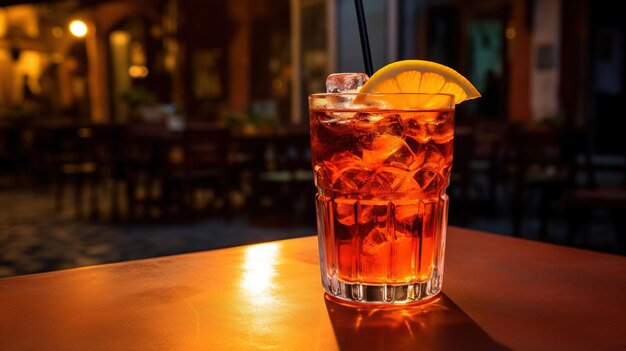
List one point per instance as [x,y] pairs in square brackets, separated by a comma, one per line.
[499,293]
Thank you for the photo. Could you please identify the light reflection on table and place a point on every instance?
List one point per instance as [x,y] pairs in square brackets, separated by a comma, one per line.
[258,270]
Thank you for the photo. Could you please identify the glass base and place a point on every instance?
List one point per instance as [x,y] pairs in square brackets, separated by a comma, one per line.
[385,294]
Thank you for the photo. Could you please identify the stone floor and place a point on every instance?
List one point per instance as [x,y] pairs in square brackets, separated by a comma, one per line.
[35,238]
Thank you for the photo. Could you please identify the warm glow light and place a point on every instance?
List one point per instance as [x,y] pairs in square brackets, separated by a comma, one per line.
[170,62]
[85,132]
[78,28]
[57,32]
[56,57]
[258,268]
[120,38]
[277,84]
[510,33]
[138,71]
[30,64]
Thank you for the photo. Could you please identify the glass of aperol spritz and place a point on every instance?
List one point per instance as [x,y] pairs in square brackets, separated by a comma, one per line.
[382,158]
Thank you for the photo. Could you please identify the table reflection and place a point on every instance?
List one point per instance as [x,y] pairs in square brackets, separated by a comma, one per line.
[259,270]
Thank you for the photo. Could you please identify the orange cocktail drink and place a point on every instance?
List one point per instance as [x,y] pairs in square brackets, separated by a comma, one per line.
[381,174]
[382,163]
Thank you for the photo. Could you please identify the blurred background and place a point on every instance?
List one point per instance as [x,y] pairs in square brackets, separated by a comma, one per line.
[132,129]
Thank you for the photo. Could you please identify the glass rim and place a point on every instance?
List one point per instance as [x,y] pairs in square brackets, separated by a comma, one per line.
[382,101]
[379,94]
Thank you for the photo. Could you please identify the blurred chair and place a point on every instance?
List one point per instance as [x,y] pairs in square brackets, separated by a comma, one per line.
[112,164]
[541,171]
[199,161]
[489,149]
[69,156]
[603,190]
[144,167]
[284,182]
[247,160]
[477,167]
[462,173]
[11,153]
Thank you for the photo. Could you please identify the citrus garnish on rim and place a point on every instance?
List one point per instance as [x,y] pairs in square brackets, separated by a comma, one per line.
[420,76]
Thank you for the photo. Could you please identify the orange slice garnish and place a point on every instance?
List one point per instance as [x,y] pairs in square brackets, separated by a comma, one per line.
[419,76]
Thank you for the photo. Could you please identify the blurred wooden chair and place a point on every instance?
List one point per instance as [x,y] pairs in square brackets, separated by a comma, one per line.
[247,160]
[199,161]
[540,166]
[602,190]
[285,181]
[489,150]
[70,156]
[477,168]
[11,152]
[112,165]
[462,172]
[142,161]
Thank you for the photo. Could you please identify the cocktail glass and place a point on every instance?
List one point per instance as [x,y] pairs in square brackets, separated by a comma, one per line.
[382,164]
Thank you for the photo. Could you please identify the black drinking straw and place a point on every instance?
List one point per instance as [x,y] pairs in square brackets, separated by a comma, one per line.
[365,44]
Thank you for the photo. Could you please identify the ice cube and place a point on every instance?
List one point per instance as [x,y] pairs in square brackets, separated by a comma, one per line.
[431,183]
[430,166]
[370,125]
[365,124]
[338,123]
[391,125]
[388,150]
[345,159]
[369,118]
[376,253]
[417,124]
[345,82]
[350,180]
[430,125]
[378,186]
[441,130]
[375,241]
[344,211]
[406,213]
[428,156]
[378,240]
[389,183]
[340,117]
[325,175]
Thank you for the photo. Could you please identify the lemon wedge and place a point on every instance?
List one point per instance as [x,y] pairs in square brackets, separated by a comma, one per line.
[420,76]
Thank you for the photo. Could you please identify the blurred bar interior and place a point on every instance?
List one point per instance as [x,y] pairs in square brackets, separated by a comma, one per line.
[131,129]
